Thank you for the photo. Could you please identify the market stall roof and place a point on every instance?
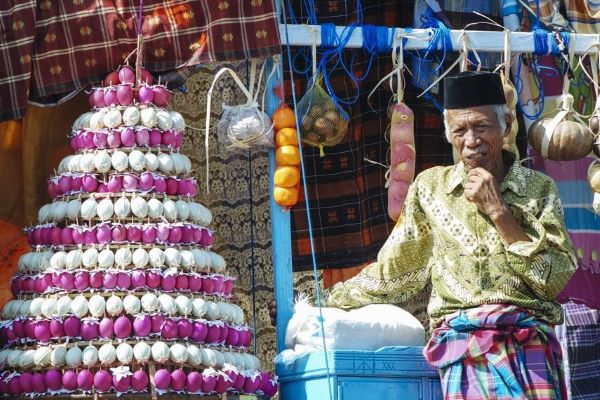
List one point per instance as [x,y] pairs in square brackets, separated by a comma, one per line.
[50,49]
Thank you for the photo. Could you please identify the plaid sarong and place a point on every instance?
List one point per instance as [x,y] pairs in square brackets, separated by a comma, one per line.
[583,348]
[496,351]
[52,48]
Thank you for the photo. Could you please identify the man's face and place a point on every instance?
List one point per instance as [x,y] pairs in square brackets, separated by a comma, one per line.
[475,134]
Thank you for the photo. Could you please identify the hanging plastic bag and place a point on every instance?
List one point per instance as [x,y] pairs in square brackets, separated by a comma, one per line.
[244,126]
[322,122]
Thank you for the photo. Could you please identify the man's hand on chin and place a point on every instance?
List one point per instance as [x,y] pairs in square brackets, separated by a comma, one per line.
[483,190]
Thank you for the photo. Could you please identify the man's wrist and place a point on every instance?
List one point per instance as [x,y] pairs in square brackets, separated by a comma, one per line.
[501,213]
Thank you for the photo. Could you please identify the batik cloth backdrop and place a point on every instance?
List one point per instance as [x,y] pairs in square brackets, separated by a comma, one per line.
[52,48]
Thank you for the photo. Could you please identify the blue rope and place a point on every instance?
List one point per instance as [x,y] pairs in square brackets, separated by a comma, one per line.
[307,205]
[540,41]
[329,39]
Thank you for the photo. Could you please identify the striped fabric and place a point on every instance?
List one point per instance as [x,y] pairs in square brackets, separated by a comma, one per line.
[497,352]
[50,48]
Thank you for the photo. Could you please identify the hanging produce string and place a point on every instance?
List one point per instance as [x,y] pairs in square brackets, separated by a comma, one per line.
[307,205]
[140,46]
[252,258]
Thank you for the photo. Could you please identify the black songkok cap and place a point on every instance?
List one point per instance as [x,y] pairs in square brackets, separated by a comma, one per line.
[473,89]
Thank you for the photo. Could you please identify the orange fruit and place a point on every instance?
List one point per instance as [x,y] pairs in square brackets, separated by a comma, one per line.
[285,197]
[283,117]
[287,155]
[286,136]
[286,176]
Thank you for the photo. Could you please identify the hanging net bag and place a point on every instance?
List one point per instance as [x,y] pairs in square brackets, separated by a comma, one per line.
[322,121]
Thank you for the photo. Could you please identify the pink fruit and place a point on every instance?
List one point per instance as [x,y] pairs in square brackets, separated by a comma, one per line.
[111,79]
[138,279]
[213,334]
[126,75]
[149,234]
[25,382]
[89,183]
[56,328]
[110,97]
[223,330]
[76,184]
[119,233]
[160,185]
[96,279]
[172,186]
[66,235]
[103,234]
[123,281]
[194,283]
[142,137]
[78,236]
[169,330]
[168,283]
[130,183]
[53,379]
[174,235]
[146,77]
[122,383]
[232,337]
[89,236]
[199,332]
[159,95]
[153,279]
[98,98]
[168,138]
[67,281]
[146,181]
[69,380]
[162,379]
[113,139]
[72,326]
[38,382]
[208,285]
[155,137]
[223,383]
[178,379]
[55,236]
[82,280]
[139,380]
[110,280]
[106,328]
[142,325]
[251,384]
[115,184]
[208,383]
[89,330]
[157,322]
[42,331]
[128,137]
[145,94]
[85,380]
[122,327]
[125,95]
[102,381]
[194,382]
[184,328]
[182,282]
[178,139]
[134,233]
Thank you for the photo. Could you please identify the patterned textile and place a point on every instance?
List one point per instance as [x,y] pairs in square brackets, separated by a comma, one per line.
[581,15]
[230,199]
[583,348]
[348,198]
[51,47]
[497,352]
[441,236]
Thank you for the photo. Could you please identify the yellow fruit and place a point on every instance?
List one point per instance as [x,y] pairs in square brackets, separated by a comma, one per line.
[287,155]
[286,176]
[284,117]
[285,197]
[286,136]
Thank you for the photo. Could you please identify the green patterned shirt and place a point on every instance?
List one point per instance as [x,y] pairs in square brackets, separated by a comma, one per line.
[443,237]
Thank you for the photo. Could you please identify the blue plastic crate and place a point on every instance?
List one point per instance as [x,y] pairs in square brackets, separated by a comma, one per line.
[390,373]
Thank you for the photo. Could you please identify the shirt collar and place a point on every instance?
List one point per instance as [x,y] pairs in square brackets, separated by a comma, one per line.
[514,179]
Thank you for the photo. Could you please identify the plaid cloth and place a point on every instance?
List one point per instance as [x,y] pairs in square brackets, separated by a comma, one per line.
[496,351]
[51,47]
[583,348]
[348,198]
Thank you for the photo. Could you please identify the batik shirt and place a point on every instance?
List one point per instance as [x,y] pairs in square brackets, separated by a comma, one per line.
[443,237]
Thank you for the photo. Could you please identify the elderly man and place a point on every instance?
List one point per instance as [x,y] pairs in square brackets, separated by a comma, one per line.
[489,234]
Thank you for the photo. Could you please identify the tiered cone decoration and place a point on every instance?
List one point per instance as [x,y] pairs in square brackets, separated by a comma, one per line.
[120,292]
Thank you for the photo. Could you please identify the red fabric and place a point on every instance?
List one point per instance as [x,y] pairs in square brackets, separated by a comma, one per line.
[51,47]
